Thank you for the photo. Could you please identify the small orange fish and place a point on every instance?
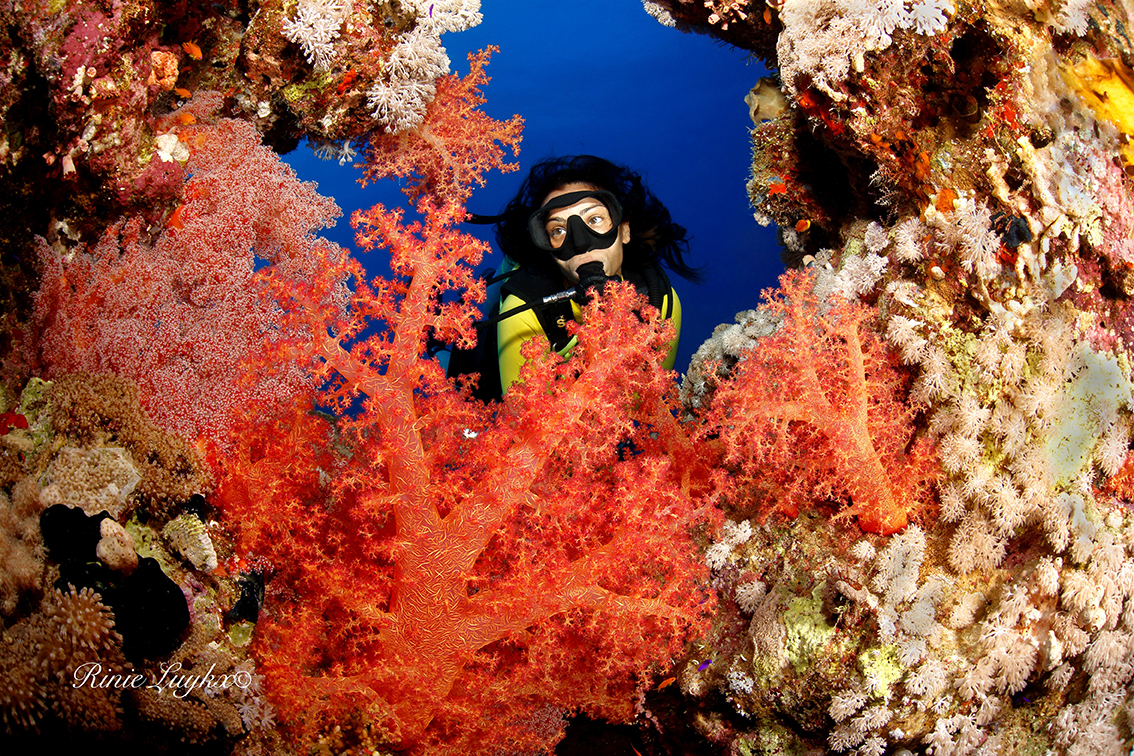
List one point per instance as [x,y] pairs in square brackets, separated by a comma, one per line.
[348,78]
[803,225]
[175,218]
[777,189]
[666,683]
[192,50]
[182,92]
[186,118]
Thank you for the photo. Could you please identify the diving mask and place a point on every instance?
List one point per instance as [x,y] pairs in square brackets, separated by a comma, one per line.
[595,227]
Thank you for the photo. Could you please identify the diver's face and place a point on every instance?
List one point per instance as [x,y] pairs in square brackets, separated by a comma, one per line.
[597,217]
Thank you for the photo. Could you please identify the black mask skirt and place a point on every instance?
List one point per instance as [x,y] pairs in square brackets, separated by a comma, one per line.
[580,237]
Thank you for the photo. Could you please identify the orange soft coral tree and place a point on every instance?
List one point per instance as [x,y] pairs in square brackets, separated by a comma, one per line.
[817,411]
[453,577]
[445,156]
[451,570]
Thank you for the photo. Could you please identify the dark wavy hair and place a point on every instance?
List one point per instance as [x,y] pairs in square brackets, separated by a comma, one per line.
[654,237]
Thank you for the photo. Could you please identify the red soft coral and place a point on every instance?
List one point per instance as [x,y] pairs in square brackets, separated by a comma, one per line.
[482,563]
[455,145]
[818,411]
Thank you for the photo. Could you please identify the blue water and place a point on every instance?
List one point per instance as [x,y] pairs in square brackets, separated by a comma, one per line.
[603,77]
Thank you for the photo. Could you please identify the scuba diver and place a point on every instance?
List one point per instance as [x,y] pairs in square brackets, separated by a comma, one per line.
[576,222]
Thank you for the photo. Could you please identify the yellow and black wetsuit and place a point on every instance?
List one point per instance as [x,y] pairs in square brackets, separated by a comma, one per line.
[512,332]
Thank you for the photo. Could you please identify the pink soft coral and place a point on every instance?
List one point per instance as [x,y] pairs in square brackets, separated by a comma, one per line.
[178,313]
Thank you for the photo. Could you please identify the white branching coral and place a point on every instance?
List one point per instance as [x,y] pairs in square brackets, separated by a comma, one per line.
[739,681]
[749,595]
[876,239]
[909,238]
[823,39]
[967,232]
[859,275]
[658,12]
[315,28]
[326,149]
[413,66]
[398,100]
[845,703]
[898,566]
[447,15]
[904,333]
[722,350]
[929,16]
[733,534]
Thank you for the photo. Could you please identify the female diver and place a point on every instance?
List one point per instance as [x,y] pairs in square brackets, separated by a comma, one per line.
[580,211]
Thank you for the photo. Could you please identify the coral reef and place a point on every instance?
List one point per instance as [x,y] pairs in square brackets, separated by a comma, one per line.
[89,88]
[95,608]
[310,539]
[70,638]
[21,550]
[959,170]
[477,559]
[178,312]
[416,565]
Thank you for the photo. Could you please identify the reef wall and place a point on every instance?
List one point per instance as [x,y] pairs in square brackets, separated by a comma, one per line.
[921,439]
[952,178]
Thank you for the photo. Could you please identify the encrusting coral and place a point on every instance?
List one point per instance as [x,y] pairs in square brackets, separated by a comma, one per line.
[98,410]
[70,637]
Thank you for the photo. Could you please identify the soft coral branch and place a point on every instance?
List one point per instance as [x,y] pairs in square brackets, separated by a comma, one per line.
[489,520]
[817,411]
[450,151]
